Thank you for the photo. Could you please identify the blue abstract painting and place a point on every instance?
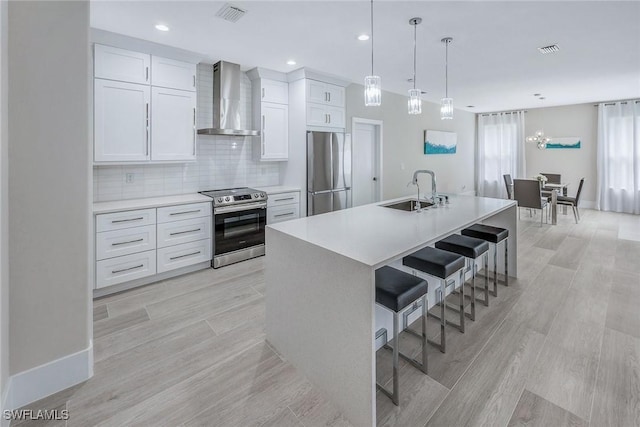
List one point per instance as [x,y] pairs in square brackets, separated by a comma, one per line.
[571,142]
[439,142]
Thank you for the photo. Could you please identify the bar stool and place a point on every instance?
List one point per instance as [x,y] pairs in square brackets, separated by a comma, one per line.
[493,235]
[441,265]
[471,249]
[396,291]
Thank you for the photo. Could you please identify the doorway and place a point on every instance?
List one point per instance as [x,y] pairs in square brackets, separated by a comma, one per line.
[366,161]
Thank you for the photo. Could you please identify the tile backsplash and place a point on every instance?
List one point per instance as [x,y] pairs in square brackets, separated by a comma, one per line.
[222,162]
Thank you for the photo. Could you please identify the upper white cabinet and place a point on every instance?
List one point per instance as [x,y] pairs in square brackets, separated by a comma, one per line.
[325,104]
[271,116]
[325,93]
[121,121]
[173,124]
[173,74]
[123,65]
[273,91]
[144,107]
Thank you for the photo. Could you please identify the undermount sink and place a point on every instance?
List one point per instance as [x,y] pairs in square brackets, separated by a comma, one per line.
[408,205]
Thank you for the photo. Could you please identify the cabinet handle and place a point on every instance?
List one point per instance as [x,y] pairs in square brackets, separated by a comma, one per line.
[329,117]
[194,80]
[262,133]
[116,221]
[286,198]
[184,232]
[124,243]
[183,213]
[146,74]
[182,256]
[329,93]
[126,269]
[262,92]
[284,214]
[194,131]
[147,128]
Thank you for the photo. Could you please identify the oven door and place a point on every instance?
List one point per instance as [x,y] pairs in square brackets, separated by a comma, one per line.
[238,228]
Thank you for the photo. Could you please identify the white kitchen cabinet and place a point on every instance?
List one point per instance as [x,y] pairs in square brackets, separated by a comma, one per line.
[183,255]
[283,207]
[125,219]
[274,132]
[188,230]
[180,212]
[280,199]
[325,93]
[121,121]
[325,115]
[120,64]
[173,74]
[173,124]
[273,91]
[110,244]
[121,269]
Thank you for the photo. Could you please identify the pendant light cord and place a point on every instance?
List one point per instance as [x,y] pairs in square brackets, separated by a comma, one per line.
[414,55]
[446,69]
[372,37]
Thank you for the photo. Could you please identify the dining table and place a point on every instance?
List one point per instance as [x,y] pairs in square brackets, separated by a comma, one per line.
[555,189]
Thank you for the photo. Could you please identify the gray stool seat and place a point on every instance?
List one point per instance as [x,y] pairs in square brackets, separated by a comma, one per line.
[396,289]
[435,262]
[486,232]
[468,247]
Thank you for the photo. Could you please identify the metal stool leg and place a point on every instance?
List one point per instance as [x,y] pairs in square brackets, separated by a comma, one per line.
[462,316]
[495,270]
[506,262]
[472,263]
[486,279]
[396,350]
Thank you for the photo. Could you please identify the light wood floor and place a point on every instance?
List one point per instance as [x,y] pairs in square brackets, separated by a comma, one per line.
[559,347]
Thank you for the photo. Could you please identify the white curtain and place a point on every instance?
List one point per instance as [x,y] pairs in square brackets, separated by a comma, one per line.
[619,157]
[500,152]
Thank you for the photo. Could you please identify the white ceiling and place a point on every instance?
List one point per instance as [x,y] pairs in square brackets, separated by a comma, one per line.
[494,63]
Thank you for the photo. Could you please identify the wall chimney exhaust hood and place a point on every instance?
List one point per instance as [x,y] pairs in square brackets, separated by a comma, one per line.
[226,102]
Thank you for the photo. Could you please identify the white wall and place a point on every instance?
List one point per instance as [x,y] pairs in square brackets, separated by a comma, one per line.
[572,120]
[4,228]
[222,162]
[48,181]
[403,136]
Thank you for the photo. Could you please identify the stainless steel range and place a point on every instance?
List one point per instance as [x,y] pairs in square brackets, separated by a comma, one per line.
[239,218]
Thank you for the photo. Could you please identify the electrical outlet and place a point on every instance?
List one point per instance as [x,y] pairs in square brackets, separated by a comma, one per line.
[129,178]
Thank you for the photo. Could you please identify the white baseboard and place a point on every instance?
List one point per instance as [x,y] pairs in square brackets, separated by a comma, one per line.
[5,404]
[44,380]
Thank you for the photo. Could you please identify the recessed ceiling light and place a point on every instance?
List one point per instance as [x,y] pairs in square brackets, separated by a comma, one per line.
[537,94]
[542,97]
[363,37]
[291,62]
[162,27]
[471,106]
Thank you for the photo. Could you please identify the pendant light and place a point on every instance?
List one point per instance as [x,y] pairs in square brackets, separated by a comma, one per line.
[372,90]
[415,95]
[446,108]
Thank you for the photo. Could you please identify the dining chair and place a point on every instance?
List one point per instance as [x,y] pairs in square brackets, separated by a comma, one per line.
[528,194]
[573,201]
[552,178]
[508,182]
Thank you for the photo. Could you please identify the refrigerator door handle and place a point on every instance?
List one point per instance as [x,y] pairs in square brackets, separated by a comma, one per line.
[313,193]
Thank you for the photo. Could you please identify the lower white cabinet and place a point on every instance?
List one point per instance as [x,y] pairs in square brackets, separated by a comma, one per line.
[283,207]
[177,256]
[188,230]
[125,268]
[115,243]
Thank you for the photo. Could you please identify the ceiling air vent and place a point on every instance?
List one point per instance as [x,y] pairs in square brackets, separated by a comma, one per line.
[231,13]
[549,49]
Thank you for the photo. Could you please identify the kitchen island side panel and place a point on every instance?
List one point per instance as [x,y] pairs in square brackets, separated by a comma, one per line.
[508,219]
[320,318]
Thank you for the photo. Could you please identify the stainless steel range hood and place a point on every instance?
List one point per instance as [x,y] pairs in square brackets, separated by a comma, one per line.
[226,102]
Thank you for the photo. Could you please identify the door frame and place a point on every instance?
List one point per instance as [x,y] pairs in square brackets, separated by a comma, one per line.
[379,127]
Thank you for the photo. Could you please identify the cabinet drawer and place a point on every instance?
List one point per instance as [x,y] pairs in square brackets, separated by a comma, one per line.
[282,213]
[121,64]
[178,256]
[115,243]
[274,91]
[173,74]
[180,212]
[126,219]
[283,199]
[125,268]
[188,230]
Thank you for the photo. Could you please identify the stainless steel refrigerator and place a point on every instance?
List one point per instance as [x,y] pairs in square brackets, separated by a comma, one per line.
[328,172]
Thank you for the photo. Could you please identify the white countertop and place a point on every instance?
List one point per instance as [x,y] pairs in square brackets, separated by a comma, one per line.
[150,202]
[375,235]
[277,189]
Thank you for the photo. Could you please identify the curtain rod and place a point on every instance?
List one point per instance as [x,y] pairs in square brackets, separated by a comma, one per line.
[621,102]
[503,112]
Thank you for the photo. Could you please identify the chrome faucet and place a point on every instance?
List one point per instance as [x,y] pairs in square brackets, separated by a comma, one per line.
[434,192]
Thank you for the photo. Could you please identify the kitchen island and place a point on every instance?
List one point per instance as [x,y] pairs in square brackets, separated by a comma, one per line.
[320,290]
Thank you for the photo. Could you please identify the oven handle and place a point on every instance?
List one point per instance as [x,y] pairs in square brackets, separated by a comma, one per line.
[247,207]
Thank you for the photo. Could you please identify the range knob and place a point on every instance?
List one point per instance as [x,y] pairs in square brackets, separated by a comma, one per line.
[262,195]
[219,199]
[226,199]
[256,195]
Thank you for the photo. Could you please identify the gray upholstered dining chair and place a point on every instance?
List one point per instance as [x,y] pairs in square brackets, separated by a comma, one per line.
[552,178]
[573,201]
[527,193]
[508,182]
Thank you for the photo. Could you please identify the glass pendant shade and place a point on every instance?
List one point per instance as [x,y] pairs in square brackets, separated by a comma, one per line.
[446,109]
[372,91]
[415,101]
